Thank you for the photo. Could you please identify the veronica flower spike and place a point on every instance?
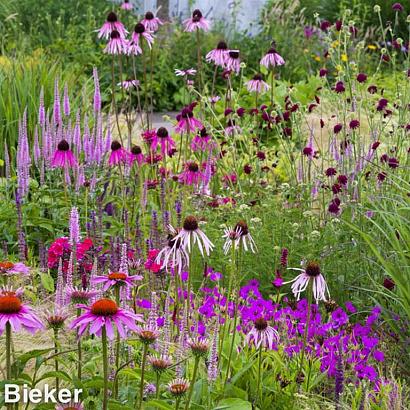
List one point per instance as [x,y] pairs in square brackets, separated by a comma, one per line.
[313,273]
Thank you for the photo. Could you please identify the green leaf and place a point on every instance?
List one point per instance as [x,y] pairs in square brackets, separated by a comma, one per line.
[158,404]
[115,405]
[20,363]
[233,404]
[47,281]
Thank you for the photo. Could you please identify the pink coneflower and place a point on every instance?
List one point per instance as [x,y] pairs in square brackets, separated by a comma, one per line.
[110,25]
[16,314]
[233,62]
[116,44]
[202,141]
[160,363]
[257,84]
[151,22]
[118,154]
[218,55]
[80,296]
[245,238]
[262,335]
[187,122]
[63,156]
[55,319]
[126,5]
[105,313]
[192,174]
[178,387]
[185,73]
[231,236]
[173,255]
[301,282]
[163,140]
[272,59]
[116,279]
[141,31]
[199,346]
[127,84]
[190,234]
[196,22]
[147,334]
[136,155]
[8,268]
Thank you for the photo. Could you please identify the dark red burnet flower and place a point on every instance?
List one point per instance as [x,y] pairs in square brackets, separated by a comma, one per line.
[336,188]
[247,169]
[330,172]
[393,163]
[375,145]
[361,77]
[334,206]
[353,124]
[325,25]
[339,87]
[382,104]
[323,72]
[372,89]
[338,25]
[261,155]
[342,179]
[397,7]
[389,283]
[337,128]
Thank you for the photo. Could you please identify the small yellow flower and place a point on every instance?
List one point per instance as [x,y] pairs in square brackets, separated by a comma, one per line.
[335,44]
[317,58]
[371,47]
[344,58]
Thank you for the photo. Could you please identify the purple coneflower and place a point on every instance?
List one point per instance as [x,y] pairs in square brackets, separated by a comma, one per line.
[110,25]
[126,5]
[196,22]
[262,335]
[245,238]
[257,84]
[127,84]
[301,282]
[163,140]
[218,55]
[192,174]
[187,122]
[105,313]
[8,268]
[185,73]
[116,279]
[190,234]
[136,155]
[151,22]
[272,59]
[233,62]
[70,406]
[63,156]
[15,314]
[116,44]
[118,154]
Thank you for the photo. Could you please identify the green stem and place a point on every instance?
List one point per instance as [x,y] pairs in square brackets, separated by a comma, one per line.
[56,358]
[258,390]
[144,359]
[105,367]
[79,351]
[8,357]
[157,385]
[193,380]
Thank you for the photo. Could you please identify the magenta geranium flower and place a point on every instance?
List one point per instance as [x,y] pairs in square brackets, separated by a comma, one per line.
[116,279]
[118,154]
[151,22]
[8,268]
[105,312]
[196,22]
[112,24]
[63,156]
[18,315]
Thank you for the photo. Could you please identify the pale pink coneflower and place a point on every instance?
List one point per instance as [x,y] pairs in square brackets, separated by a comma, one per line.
[301,282]
[116,44]
[191,175]
[130,83]
[272,59]
[118,154]
[231,236]
[185,73]
[196,22]
[126,5]
[262,335]
[70,406]
[8,268]
[141,32]
[233,61]
[16,314]
[245,238]
[190,234]
[63,156]
[218,55]
[151,22]
[173,255]
[202,141]
[231,128]
[187,122]
[116,279]
[105,313]
[257,85]
[112,24]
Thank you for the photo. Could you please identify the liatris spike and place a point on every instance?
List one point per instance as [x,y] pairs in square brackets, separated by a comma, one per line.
[74,227]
